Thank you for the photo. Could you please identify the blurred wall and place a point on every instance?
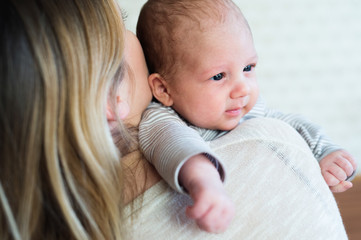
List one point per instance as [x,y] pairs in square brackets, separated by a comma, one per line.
[309,60]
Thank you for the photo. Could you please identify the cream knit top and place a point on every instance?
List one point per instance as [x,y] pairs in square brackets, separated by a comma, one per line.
[274,180]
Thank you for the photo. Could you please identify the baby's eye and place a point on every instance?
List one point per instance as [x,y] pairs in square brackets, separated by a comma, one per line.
[248,68]
[217,77]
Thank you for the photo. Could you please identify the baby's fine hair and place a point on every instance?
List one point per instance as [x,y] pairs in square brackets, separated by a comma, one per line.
[164,24]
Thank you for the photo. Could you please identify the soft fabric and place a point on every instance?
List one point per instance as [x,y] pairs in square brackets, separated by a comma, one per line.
[274,181]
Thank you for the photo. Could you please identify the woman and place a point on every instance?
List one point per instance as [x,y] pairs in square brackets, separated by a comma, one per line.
[59,173]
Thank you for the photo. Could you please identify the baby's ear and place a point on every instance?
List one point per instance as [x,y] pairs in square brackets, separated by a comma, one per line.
[160,89]
[121,109]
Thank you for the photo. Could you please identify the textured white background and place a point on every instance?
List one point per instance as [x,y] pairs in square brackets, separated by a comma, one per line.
[309,60]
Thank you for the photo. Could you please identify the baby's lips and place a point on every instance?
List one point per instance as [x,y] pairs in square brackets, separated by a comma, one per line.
[241,104]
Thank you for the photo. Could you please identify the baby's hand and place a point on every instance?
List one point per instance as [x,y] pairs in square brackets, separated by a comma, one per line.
[212,209]
[335,169]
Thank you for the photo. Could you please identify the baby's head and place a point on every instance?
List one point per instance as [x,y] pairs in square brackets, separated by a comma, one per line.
[166,27]
[201,57]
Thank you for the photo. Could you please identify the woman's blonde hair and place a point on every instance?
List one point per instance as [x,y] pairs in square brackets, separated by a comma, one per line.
[59,168]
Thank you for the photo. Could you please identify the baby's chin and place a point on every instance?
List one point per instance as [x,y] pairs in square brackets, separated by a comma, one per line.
[222,124]
[229,128]
[224,127]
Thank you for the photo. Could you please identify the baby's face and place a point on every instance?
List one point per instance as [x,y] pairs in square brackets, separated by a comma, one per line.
[215,85]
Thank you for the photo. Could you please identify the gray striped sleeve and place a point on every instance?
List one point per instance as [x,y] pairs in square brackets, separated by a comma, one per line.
[318,142]
[167,142]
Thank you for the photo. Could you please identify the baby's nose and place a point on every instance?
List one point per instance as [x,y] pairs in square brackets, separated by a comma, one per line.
[240,89]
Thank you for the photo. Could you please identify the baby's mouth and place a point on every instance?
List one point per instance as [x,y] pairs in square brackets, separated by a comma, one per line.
[234,112]
[240,105]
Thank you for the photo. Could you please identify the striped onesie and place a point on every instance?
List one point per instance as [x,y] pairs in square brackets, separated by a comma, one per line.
[168,141]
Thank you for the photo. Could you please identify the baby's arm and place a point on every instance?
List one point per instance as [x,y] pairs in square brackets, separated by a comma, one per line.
[336,164]
[167,142]
[212,209]
[171,146]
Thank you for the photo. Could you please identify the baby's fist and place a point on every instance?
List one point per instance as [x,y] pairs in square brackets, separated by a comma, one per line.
[213,210]
[336,167]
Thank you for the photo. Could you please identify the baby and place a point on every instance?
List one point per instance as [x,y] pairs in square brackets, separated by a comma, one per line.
[202,60]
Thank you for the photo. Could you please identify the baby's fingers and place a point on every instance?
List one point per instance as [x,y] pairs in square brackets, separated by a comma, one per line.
[216,220]
[341,187]
[198,210]
[345,165]
[330,179]
[350,159]
[337,172]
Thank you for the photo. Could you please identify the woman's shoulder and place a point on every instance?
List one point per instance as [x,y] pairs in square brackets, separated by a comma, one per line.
[271,179]
[139,176]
